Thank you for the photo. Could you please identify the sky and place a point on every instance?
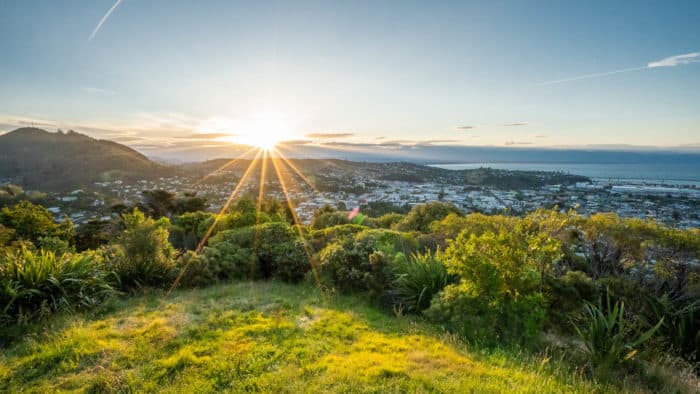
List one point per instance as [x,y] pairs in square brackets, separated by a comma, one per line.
[167,74]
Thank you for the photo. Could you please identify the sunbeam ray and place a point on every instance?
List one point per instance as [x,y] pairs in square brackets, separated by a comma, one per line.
[297,224]
[298,172]
[230,163]
[219,215]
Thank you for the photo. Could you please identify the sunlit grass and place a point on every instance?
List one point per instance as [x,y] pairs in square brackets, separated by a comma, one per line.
[265,337]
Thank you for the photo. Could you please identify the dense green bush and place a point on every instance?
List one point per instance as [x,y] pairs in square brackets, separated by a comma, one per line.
[35,284]
[222,262]
[499,293]
[278,249]
[363,262]
[31,222]
[416,281]
[142,254]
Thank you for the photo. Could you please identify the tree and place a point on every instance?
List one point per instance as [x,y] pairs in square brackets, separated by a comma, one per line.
[93,234]
[31,222]
[157,203]
[190,203]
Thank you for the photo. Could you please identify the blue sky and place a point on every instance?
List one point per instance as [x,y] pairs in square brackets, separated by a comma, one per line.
[163,73]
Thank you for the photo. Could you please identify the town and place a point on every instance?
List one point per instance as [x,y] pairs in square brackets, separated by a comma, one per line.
[349,187]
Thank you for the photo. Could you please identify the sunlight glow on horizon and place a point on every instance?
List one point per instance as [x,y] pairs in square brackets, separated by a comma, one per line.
[263,129]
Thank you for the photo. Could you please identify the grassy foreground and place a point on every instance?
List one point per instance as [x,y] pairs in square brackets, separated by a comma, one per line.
[268,337]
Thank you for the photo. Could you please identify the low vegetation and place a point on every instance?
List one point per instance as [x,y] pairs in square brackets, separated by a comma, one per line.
[269,337]
[373,306]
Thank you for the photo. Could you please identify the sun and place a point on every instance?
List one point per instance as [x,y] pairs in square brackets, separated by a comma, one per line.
[263,130]
[263,138]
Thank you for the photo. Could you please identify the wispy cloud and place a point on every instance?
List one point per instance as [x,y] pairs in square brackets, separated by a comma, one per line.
[539,136]
[517,124]
[294,142]
[328,135]
[205,136]
[466,127]
[671,61]
[676,60]
[104,19]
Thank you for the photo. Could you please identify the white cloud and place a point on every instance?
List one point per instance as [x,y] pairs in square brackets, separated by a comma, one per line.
[672,61]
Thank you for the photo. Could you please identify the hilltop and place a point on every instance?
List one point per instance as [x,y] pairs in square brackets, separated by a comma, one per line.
[59,161]
[267,337]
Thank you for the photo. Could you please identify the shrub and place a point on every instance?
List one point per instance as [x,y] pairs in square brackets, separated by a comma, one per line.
[567,295]
[230,261]
[364,262]
[142,254]
[609,338]
[389,241]
[500,279]
[421,216]
[321,238]
[417,280]
[279,251]
[681,327]
[387,220]
[34,284]
[459,309]
[189,228]
[55,245]
[193,270]
[329,219]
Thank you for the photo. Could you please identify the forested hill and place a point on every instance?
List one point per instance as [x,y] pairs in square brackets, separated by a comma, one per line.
[58,161]
[331,171]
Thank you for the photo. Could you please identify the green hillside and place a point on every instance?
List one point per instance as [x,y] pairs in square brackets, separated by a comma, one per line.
[268,337]
[42,160]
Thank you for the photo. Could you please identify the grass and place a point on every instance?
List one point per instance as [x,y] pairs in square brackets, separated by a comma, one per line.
[266,337]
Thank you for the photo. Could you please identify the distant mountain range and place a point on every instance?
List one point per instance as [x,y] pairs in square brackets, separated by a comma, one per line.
[60,161]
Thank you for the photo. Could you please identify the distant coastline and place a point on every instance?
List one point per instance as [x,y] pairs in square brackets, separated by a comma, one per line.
[656,173]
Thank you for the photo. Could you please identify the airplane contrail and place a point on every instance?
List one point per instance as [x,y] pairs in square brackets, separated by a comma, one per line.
[624,70]
[671,61]
[104,19]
